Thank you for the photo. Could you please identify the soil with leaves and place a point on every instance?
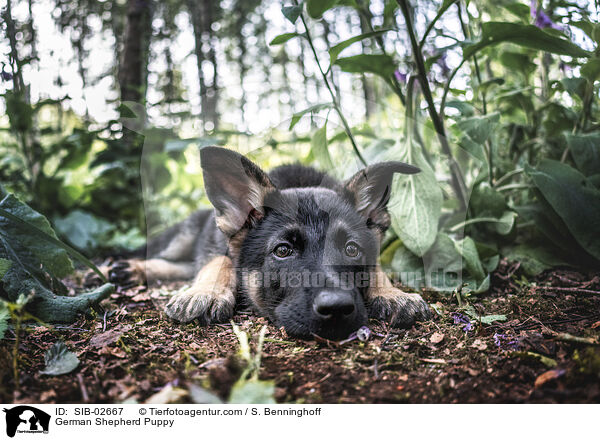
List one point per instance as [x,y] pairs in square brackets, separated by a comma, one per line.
[534,340]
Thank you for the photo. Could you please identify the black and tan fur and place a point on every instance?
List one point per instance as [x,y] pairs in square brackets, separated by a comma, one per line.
[259,218]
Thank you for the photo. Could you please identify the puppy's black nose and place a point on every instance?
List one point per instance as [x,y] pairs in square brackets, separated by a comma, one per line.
[334,305]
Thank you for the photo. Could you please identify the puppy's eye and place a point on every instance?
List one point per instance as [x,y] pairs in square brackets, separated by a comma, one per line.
[352,249]
[282,251]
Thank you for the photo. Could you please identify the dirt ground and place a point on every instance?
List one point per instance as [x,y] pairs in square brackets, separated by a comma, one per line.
[546,351]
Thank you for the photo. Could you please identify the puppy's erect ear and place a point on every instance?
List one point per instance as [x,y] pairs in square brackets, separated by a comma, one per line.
[235,186]
[370,190]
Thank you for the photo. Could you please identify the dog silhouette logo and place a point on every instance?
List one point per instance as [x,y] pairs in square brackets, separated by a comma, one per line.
[26,419]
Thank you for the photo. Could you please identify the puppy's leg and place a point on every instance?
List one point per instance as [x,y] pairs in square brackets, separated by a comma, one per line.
[211,298]
[140,271]
[387,303]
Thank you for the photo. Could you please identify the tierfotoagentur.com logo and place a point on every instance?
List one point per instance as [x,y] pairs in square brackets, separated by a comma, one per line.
[25,419]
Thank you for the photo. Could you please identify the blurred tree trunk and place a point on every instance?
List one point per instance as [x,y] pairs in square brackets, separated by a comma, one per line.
[203,14]
[367,86]
[133,68]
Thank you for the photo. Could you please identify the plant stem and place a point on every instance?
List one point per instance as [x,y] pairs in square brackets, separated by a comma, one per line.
[336,104]
[368,16]
[458,183]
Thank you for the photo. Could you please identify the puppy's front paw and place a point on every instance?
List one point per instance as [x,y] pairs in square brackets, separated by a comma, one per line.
[127,273]
[202,303]
[399,308]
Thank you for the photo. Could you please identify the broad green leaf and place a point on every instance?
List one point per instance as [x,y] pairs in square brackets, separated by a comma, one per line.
[574,199]
[408,267]
[253,392]
[59,360]
[533,259]
[443,264]
[314,108]
[479,128]
[416,203]
[505,223]
[585,149]
[591,69]
[485,319]
[486,201]
[291,13]
[280,39]
[466,248]
[83,230]
[335,51]
[4,266]
[52,257]
[382,65]
[4,315]
[319,148]
[202,396]
[530,36]
[316,8]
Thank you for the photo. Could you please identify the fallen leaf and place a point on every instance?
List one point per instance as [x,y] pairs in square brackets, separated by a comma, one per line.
[59,360]
[436,338]
[547,377]
[169,394]
[479,345]
[108,337]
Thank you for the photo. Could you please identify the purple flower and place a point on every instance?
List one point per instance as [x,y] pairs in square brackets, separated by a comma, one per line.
[6,76]
[498,339]
[542,20]
[459,318]
[400,77]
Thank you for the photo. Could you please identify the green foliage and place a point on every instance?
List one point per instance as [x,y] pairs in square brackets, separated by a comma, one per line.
[523,35]
[59,360]
[416,203]
[37,261]
[573,199]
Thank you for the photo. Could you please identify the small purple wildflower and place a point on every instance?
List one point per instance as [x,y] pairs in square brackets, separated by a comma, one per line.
[542,20]
[459,318]
[6,76]
[400,77]
[498,339]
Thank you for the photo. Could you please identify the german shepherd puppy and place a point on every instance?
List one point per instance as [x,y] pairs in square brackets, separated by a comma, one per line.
[296,245]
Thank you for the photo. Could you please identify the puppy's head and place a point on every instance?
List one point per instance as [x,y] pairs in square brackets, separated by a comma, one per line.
[305,256]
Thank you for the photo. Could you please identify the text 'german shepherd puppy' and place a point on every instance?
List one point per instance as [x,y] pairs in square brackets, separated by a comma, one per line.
[298,246]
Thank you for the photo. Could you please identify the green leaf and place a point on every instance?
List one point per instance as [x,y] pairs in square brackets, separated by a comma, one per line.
[486,319]
[479,128]
[335,51]
[203,396]
[280,39]
[529,36]
[585,149]
[533,259]
[316,8]
[416,203]
[291,13]
[314,108]
[591,69]
[319,148]
[4,266]
[83,230]
[467,249]
[49,245]
[4,315]
[382,65]
[253,392]
[59,360]
[574,199]
[52,257]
